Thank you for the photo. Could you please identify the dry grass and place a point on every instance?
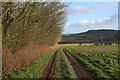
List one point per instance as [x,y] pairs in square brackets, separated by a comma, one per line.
[23,57]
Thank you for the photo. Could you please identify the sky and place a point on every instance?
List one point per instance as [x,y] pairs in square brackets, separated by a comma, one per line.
[84,16]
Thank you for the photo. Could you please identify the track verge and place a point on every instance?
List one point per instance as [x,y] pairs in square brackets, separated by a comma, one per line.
[49,70]
[81,72]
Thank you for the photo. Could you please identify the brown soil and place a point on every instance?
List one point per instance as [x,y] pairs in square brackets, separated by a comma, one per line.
[114,49]
[81,72]
[50,68]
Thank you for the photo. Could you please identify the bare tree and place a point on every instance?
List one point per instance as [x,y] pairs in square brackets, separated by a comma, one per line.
[32,21]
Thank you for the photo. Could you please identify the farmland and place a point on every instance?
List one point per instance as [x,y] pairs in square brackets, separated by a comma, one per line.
[53,65]
[101,64]
[72,61]
[36,44]
[91,36]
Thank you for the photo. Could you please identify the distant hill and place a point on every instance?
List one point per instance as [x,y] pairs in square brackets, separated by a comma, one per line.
[91,36]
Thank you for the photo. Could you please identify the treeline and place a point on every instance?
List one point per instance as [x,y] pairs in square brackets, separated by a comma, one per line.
[29,29]
[93,36]
[24,22]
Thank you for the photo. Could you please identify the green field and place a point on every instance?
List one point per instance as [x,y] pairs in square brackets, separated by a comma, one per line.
[100,63]
[41,40]
[91,46]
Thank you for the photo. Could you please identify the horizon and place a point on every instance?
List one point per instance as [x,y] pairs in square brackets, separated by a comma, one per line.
[84,16]
[90,30]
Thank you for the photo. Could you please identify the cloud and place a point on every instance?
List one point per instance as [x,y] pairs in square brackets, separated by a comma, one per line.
[84,21]
[107,18]
[81,10]
[84,25]
[99,20]
[66,25]
[92,22]
[106,22]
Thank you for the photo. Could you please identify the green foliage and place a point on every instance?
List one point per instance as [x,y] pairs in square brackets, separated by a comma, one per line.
[32,21]
[94,36]
[102,64]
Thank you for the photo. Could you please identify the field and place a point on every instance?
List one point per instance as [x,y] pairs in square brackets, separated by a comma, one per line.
[109,48]
[101,64]
[41,40]
[74,61]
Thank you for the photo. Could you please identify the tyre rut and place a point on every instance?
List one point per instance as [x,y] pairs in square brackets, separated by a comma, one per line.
[81,72]
[50,68]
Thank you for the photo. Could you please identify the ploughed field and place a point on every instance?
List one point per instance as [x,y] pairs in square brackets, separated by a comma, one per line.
[72,62]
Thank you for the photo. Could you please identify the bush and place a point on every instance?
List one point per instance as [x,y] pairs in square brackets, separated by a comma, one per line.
[32,21]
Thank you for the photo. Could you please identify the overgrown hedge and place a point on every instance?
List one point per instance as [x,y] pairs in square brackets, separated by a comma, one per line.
[24,22]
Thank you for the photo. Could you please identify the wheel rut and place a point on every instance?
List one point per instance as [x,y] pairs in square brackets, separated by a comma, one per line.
[79,69]
[50,68]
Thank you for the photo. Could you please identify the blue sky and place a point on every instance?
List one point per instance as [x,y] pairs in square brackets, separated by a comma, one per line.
[83,16]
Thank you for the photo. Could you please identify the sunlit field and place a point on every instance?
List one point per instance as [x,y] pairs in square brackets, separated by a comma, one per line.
[59,40]
[103,64]
[91,46]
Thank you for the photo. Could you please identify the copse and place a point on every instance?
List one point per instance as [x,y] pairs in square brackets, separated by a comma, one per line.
[26,22]
[29,29]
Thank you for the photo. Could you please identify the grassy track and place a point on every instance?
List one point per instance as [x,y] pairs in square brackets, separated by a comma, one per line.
[102,64]
[63,69]
[34,70]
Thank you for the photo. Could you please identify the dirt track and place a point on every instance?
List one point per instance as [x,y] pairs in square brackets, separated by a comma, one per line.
[81,72]
[50,68]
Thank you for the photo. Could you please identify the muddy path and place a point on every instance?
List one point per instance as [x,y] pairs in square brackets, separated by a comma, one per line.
[50,68]
[81,72]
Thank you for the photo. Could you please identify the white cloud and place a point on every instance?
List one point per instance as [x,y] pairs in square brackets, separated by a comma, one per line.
[66,25]
[84,25]
[107,18]
[92,22]
[102,23]
[99,20]
[81,10]
[84,21]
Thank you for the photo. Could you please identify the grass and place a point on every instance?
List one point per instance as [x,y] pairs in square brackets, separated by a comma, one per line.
[0,75]
[33,70]
[63,69]
[109,48]
[91,46]
[76,44]
[68,44]
[102,64]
